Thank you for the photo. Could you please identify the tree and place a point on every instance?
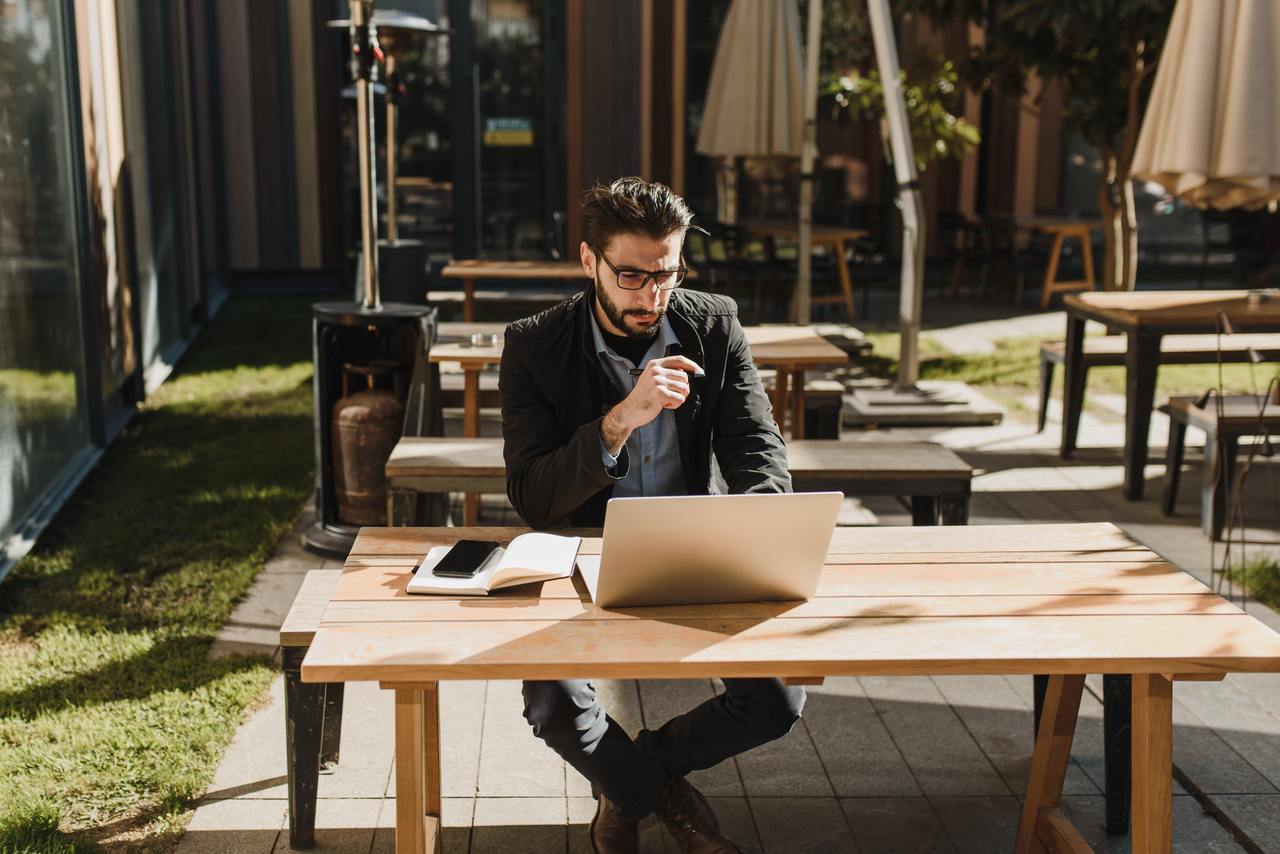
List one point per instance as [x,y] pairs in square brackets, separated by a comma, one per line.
[1103,54]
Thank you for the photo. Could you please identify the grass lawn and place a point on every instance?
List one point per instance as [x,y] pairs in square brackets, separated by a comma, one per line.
[112,716]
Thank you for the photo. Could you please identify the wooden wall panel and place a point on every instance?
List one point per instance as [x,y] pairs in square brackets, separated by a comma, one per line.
[238,134]
[305,134]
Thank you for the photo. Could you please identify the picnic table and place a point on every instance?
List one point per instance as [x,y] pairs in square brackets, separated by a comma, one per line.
[1061,229]
[474,268]
[823,235]
[790,349]
[1063,600]
[1145,317]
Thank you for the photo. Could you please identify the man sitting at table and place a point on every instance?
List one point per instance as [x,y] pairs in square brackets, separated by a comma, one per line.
[628,389]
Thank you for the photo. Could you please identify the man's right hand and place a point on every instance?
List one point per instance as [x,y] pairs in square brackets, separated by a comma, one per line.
[664,384]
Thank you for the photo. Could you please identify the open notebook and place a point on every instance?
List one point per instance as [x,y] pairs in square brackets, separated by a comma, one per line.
[529,557]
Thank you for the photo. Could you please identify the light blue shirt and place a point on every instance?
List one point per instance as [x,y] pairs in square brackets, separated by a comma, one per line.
[653,451]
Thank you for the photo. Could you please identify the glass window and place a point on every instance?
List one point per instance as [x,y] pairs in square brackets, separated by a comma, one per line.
[42,427]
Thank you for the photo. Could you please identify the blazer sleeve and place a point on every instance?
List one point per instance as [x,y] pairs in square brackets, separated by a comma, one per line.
[547,478]
[747,443]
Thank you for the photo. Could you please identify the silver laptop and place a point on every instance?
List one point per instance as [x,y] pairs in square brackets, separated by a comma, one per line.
[711,548]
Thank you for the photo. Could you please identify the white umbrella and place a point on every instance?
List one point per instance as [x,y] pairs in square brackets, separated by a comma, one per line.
[1211,134]
[754,98]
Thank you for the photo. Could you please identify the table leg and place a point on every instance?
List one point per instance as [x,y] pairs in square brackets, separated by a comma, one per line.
[846,282]
[1141,364]
[417,769]
[1117,750]
[304,728]
[1152,763]
[1049,763]
[1072,379]
[469,299]
[471,429]
[1086,251]
[954,509]
[1051,271]
[797,403]
[924,510]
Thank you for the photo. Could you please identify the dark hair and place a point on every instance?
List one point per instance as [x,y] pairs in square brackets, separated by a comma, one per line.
[632,206]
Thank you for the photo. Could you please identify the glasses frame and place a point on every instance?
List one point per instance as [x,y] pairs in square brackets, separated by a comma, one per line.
[681,273]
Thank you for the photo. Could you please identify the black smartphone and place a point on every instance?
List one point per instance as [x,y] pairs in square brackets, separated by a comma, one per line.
[464,559]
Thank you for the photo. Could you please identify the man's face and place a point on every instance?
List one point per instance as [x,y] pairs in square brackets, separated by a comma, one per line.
[637,313]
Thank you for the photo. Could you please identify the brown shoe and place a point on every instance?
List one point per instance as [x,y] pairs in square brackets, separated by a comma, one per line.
[610,832]
[690,821]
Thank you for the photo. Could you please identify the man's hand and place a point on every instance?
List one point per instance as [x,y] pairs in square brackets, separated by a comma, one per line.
[664,384]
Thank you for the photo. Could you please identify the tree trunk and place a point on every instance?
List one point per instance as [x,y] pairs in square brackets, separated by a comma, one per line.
[1119,225]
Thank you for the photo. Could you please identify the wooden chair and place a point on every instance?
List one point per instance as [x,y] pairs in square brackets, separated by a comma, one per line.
[1240,416]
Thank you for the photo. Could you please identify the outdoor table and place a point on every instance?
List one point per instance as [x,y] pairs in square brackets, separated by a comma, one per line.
[1063,600]
[1061,229]
[823,235]
[790,349]
[470,270]
[1145,317]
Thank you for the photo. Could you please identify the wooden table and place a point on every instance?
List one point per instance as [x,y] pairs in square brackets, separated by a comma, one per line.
[1145,317]
[1061,229]
[937,481]
[470,270]
[790,349]
[823,235]
[1062,600]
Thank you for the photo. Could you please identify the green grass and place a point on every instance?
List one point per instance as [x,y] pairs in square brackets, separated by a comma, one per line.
[1260,579]
[112,716]
[1013,370]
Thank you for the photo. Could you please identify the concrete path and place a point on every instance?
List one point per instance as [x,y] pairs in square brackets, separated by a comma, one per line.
[876,764]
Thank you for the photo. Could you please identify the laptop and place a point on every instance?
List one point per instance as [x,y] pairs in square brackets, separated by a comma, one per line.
[711,548]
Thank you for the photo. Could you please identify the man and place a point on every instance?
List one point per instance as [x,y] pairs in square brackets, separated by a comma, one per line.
[628,389]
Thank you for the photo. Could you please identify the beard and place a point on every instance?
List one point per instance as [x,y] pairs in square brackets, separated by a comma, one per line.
[617,316]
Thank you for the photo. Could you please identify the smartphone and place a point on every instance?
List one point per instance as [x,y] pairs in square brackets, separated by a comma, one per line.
[464,559]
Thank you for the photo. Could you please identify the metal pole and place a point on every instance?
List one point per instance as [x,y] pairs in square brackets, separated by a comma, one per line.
[910,305]
[393,97]
[808,155]
[364,40]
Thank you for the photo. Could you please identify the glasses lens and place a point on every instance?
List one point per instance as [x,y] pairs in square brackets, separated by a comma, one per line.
[631,279]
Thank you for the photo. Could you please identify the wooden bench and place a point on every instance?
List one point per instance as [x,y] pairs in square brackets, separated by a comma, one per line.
[1240,417]
[937,481]
[312,711]
[1174,350]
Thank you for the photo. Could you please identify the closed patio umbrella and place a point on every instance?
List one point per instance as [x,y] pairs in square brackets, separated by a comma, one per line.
[1211,134]
[755,95]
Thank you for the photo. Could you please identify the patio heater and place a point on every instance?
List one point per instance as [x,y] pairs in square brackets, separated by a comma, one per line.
[369,341]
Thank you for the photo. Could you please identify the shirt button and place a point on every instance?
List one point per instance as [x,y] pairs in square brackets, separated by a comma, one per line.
[648,458]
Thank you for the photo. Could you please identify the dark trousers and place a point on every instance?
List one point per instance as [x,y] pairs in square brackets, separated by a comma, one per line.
[569,718]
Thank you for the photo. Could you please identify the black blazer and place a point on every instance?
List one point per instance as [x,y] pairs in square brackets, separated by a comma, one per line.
[555,393]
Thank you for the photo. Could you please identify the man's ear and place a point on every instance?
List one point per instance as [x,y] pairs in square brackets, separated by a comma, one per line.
[588,259]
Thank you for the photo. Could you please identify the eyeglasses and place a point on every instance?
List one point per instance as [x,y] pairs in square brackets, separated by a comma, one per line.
[630,279]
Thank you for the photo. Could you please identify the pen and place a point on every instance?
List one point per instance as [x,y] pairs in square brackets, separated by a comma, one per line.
[635,372]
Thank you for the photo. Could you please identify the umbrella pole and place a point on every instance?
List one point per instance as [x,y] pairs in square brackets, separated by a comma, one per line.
[904,167]
[393,81]
[364,41]
[808,155]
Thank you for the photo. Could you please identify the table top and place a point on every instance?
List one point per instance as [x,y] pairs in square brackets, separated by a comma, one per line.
[434,456]
[821,233]
[1175,310]
[497,269]
[789,346]
[996,599]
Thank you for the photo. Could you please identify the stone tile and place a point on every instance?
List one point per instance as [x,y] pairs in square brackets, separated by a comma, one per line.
[456,819]
[663,699]
[1247,743]
[857,751]
[896,824]
[461,717]
[801,825]
[1194,831]
[254,764]
[737,823]
[513,763]
[254,624]
[1209,757]
[531,824]
[979,824]
[343,826]
[367,747]
[942,755]
[248,826]
[788,766]
[1258,816]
